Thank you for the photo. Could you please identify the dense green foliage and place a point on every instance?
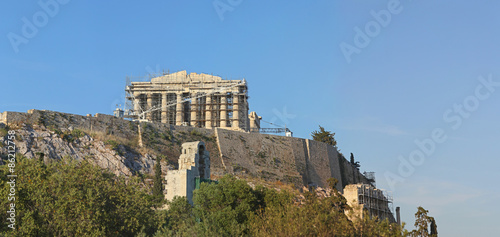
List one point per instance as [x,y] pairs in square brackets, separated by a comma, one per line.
[158,182]
[67,198]
[324,136]
[225,208]
[233,208]
[434,231]
[422,223]
[70,198]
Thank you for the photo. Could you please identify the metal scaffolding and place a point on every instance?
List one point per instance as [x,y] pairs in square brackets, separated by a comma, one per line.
[181,100]
[378,202]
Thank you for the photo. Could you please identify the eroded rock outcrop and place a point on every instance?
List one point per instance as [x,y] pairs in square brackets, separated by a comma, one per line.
[34,141]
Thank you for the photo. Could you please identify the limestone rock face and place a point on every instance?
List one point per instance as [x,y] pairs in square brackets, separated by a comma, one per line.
[44,144]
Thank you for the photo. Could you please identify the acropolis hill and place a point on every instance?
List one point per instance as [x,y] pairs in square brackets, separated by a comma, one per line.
[206,119]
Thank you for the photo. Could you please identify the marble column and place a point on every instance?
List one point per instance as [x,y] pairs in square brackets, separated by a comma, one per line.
[223,111]
[236,111]
[149,106]
[179,113]
[208,113]
[194,111]
[164,108]
[137,104]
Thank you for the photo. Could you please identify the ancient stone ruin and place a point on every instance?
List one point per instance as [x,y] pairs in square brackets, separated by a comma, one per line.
[194,168]
[196,100]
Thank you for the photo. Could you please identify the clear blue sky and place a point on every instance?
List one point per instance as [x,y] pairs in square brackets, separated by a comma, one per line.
[411,75]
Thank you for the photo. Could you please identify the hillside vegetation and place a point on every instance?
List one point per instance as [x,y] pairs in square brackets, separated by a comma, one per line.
[71,198]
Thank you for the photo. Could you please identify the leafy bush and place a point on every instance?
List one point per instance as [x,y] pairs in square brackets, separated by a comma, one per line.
[3,132]
[74,199]
[78,199]
[224,209]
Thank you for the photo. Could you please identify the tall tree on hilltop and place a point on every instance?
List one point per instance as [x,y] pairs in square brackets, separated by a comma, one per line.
[355,163]
[434,232]
[324,136]
[422,222]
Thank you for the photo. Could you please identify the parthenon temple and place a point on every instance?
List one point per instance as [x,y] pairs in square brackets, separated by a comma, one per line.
[198,100]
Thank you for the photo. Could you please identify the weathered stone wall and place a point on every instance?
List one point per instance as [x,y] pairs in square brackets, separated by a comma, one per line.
[323,163]
[193,162]
[288,159]
[7,116]
[261,155]
[350,174]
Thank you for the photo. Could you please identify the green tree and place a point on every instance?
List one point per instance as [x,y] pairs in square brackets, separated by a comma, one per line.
[158,182]
[353,162]
[434,232]
[422,222]
[178,220]
[70,198]
[224,208]
[336,198]
[281,215]
[367,225]
[324,136]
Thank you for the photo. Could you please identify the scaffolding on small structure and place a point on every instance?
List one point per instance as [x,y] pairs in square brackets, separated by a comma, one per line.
[377,202]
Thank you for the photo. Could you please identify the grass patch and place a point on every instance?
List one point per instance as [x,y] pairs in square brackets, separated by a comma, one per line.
[3,132]
[167,135]
[70,136]
[77,133]
[55,130]
[112,143]
[196,133]
[115,145]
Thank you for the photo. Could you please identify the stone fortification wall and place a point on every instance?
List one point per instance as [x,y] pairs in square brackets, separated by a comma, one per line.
[267,156]
[292,160]
[350,174]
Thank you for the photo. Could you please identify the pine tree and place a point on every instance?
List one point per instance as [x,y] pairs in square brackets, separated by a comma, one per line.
[422,222]
[158,184]
[434,232]
[355,163]
[324,136]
